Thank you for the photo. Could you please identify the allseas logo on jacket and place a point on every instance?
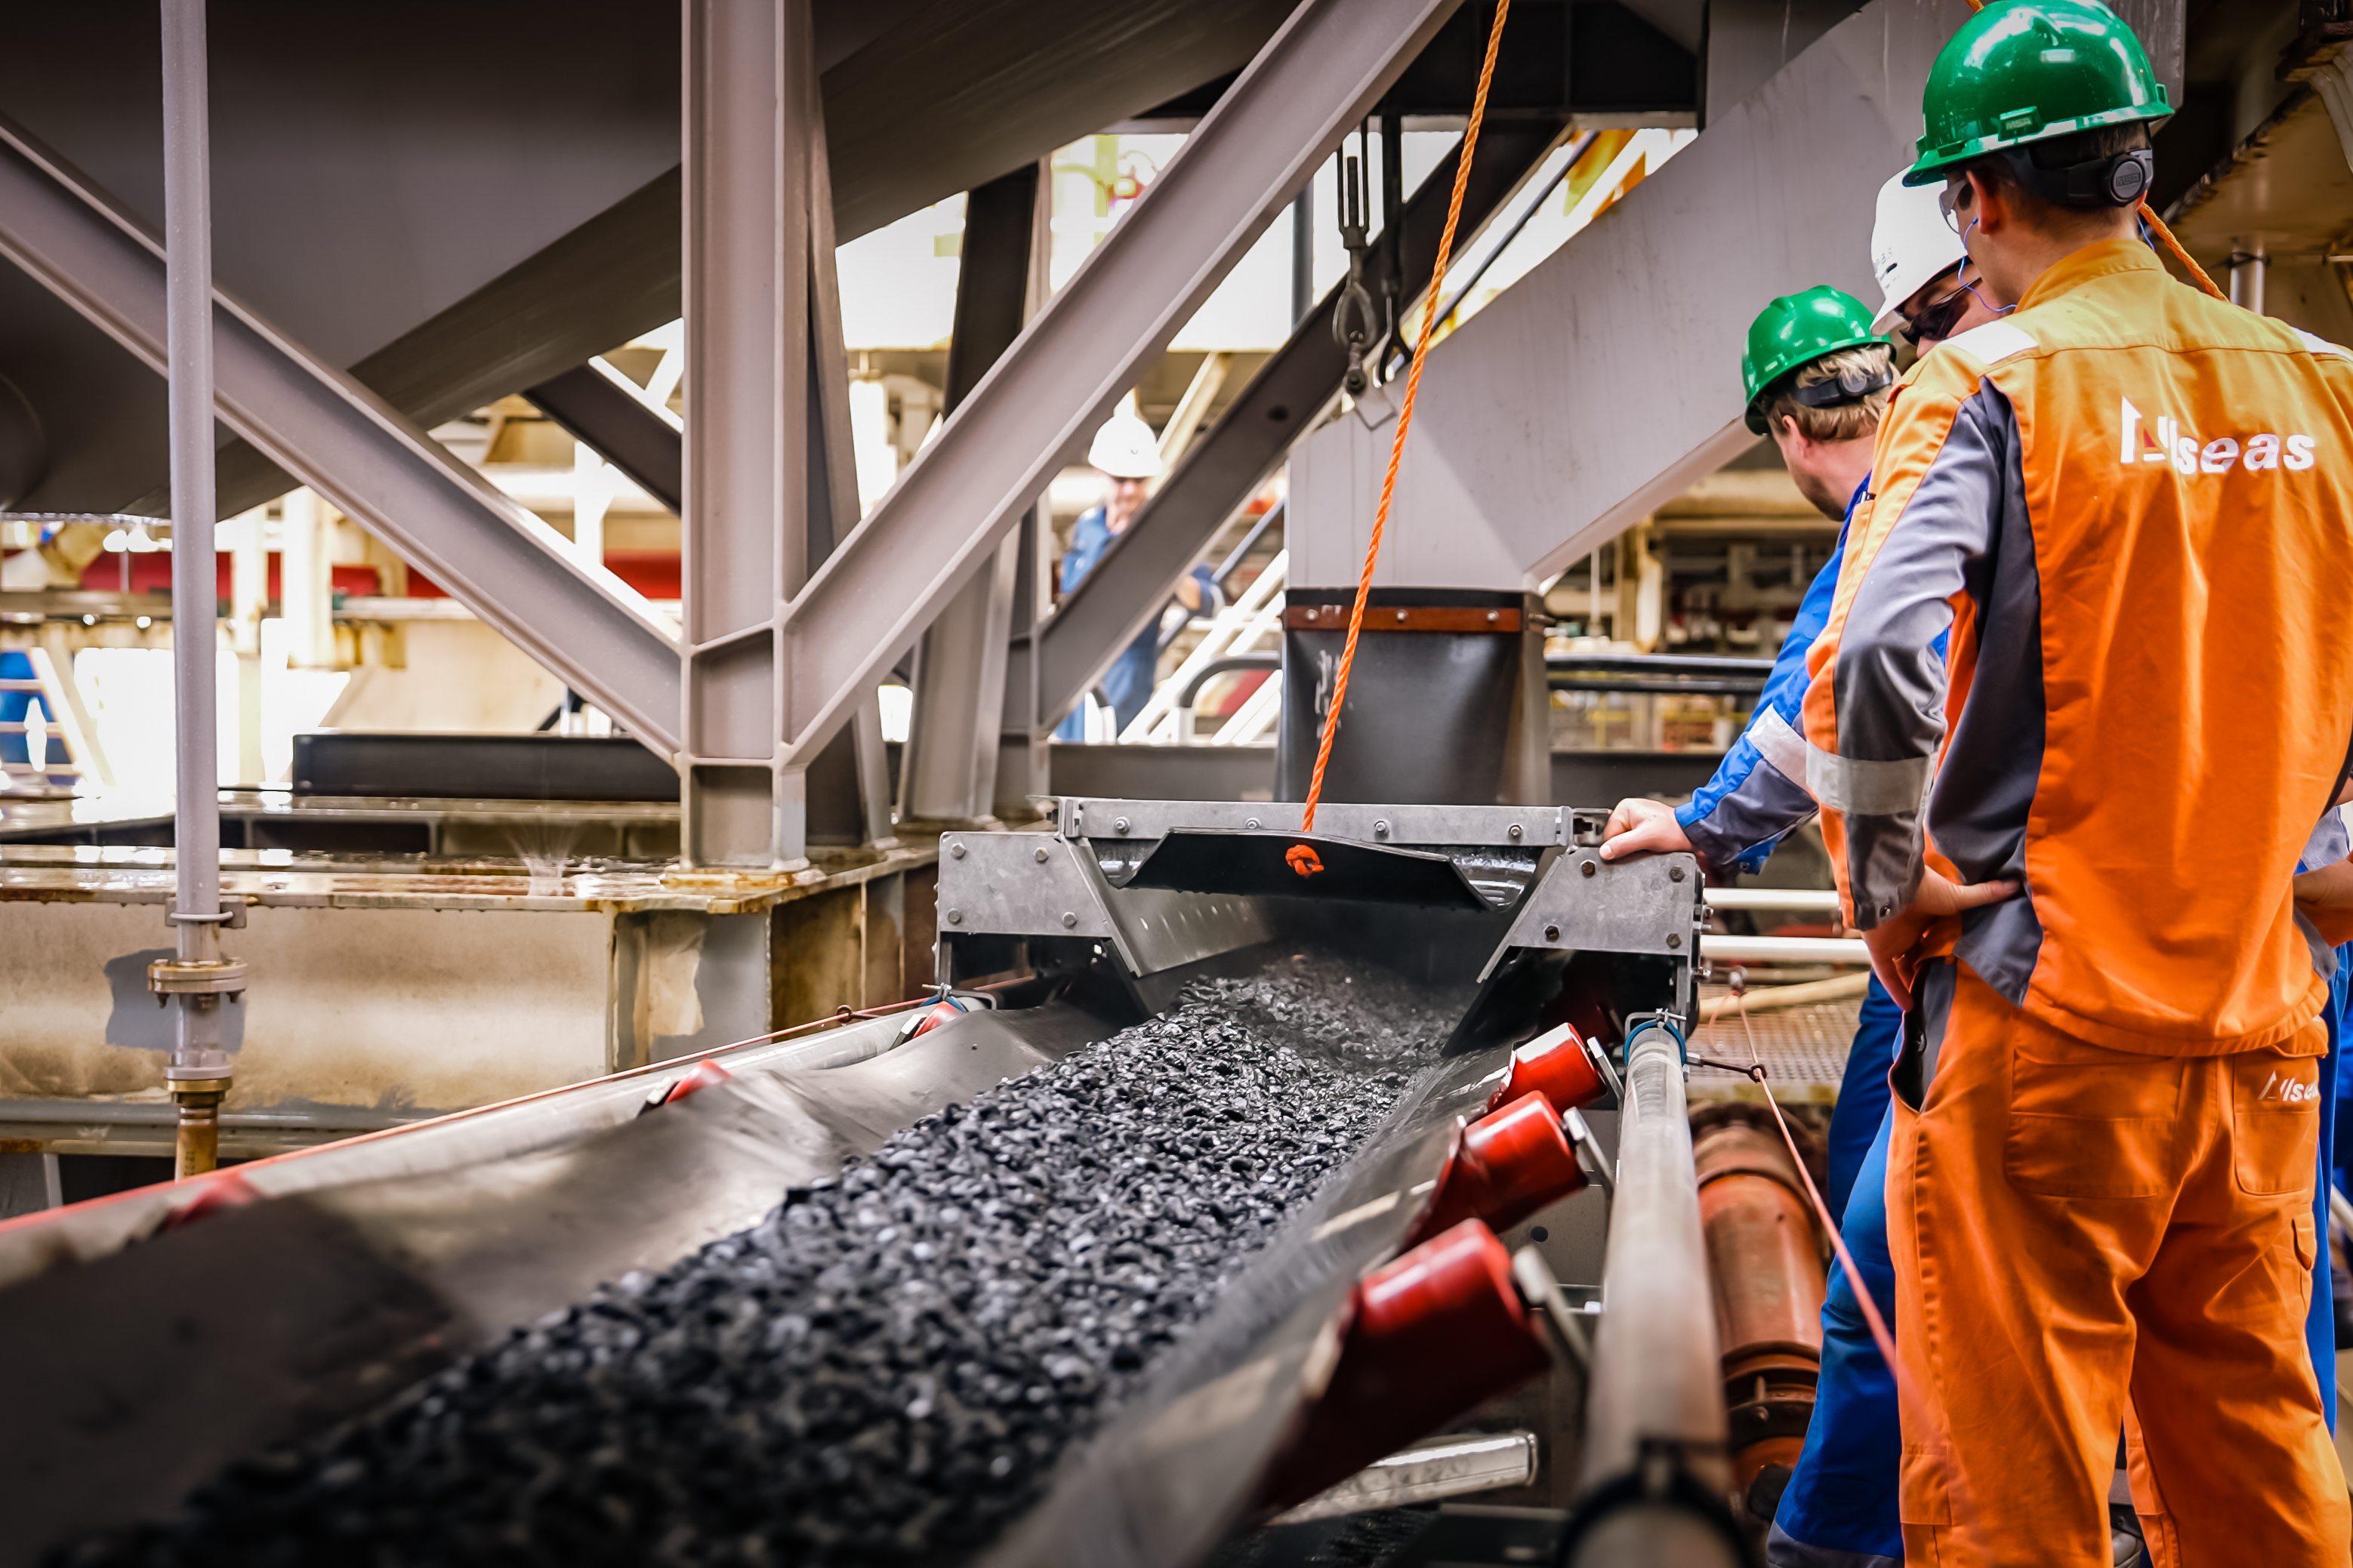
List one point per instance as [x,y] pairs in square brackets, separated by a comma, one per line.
[2288,1091]
[2163,440]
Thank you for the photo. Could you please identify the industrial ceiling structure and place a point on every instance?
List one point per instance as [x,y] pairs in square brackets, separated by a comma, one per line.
[699,1129]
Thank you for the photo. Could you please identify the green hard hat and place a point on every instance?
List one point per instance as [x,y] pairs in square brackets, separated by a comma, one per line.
[1794,331]
[2022,71]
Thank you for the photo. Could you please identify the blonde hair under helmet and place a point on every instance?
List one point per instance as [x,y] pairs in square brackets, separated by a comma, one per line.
[1910,244]
[1125,447]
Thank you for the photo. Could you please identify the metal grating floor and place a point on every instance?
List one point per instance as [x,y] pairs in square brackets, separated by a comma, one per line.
[1804,1048]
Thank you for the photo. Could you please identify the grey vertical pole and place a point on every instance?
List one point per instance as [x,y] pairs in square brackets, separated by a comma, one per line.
[197,978]
[1303,253]
[746,542]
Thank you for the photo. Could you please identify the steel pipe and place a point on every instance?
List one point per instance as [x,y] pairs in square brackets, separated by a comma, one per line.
[1783,949]
[1654,1440]
[1809,899]
[197,979]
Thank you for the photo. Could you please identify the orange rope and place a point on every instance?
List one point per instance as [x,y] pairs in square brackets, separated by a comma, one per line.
[1404,415]
[2182,253]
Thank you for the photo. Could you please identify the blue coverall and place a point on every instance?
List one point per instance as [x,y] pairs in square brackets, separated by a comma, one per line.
[1128,683]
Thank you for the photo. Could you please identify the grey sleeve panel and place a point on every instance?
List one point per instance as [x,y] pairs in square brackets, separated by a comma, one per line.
[2328,843]
[1889,680]
[1986,787]
[1765,807]
[2001,943]
[1984,792]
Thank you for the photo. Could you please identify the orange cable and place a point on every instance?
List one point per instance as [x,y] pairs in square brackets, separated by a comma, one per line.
[1404,415]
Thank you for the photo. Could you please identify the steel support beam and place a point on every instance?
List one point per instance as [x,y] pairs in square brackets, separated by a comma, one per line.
[1024,734]
[379,468]
[1605,381]
[1314,78]
[749,118]
[948,773]
[629,435]
[1234,457]
[849,782]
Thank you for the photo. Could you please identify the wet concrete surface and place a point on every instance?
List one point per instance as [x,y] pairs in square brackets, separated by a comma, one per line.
[887,1368]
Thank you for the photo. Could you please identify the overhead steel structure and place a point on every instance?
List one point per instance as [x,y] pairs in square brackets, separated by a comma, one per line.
[1600,385]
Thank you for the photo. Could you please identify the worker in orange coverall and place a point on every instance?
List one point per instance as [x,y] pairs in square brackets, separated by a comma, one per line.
[2130,504]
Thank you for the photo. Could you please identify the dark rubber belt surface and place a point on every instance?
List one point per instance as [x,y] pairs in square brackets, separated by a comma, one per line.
[133,1377]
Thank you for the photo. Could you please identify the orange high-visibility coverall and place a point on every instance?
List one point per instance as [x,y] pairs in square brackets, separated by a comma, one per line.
[2130,504]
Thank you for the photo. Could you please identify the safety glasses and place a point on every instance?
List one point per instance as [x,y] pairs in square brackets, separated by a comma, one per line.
[1936,320]
[1945,204]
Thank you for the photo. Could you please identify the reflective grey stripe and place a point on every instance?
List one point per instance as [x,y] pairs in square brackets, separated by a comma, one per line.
[1992,342]
[1779,745]
[1783,1550]
[1863,788]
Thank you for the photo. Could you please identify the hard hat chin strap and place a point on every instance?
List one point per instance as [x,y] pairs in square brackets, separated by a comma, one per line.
[1848,386]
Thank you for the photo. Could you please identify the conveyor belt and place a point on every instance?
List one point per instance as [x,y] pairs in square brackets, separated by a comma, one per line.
[886,1367]
[613,1345]
[137,1375]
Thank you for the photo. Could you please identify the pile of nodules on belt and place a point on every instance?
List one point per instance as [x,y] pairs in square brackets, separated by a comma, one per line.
[887,1367]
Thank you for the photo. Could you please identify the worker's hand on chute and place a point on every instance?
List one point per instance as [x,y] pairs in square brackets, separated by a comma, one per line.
[1643,826]
[1894,942]
[2325,898]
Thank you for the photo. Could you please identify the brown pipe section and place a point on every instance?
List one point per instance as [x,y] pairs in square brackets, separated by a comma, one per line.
[1765,1260]
[197,1146]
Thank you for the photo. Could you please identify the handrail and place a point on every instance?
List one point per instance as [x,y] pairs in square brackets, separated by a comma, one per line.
[1217,666]
[1232,564]
[1697,675]
[1241,553]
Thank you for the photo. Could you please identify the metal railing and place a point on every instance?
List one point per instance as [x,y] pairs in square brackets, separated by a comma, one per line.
[1698,674]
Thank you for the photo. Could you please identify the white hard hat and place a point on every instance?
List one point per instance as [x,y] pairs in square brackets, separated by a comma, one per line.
[1911,243]
[1125,449]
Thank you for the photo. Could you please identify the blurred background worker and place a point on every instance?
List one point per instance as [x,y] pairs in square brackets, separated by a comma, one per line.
[1128,456]
[2106,1128]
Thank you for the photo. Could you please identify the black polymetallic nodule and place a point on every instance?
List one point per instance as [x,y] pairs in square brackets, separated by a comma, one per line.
[885,1369]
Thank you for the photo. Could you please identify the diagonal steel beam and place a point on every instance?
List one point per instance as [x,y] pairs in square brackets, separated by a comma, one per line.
[625,432]
[502,563]
[1130,584]
[1604,381]
[891,578]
